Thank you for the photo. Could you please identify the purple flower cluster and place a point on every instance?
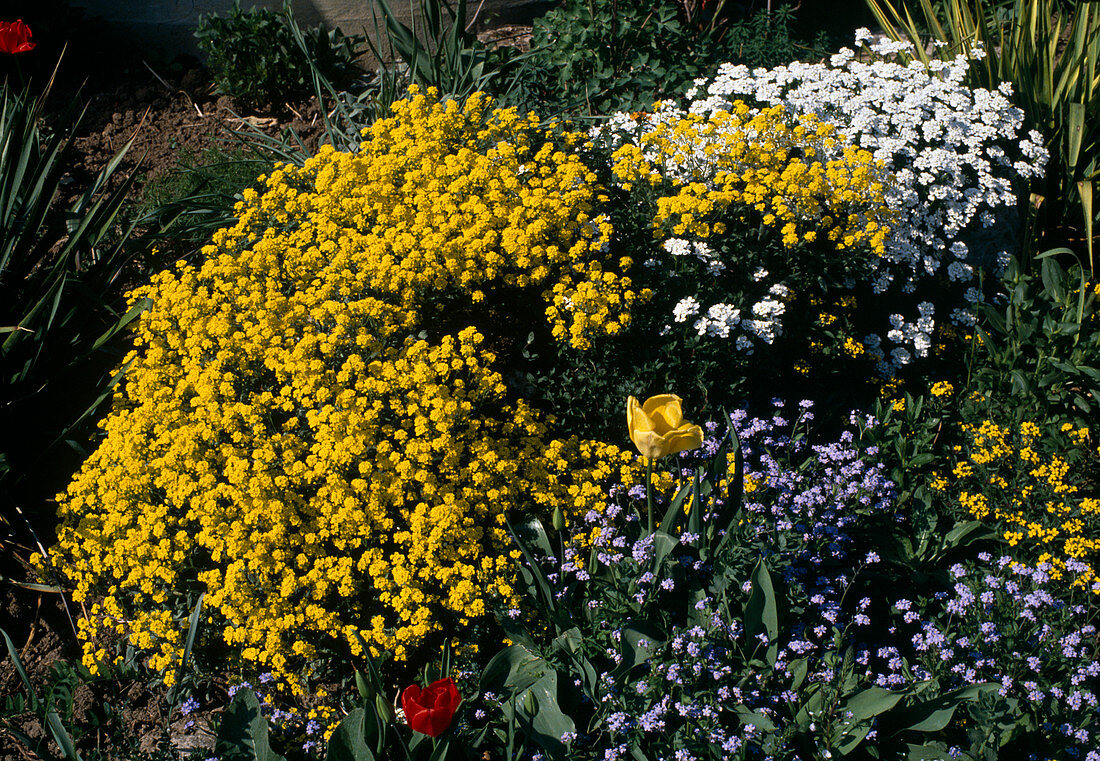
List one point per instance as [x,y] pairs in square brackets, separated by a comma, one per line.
[1004,622]
[799,515]
[813,519]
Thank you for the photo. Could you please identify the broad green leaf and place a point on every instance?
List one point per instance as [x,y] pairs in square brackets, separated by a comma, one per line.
[798,669]
[675,509]
[934,715]
[440,751]
[549,723]
[631,639]
[242,735]
[761,612]
[663,544]
[348,741]
[513,669]
[967,533]
[758,720]
[870,702]
[849,738]
[927,752]
[569,641]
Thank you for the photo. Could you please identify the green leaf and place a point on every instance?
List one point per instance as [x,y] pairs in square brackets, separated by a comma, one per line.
[934,715]
[242,735]
[631,637]
[848,739]
[441,748]
[531,685]
[758,720]
[513,669]
[870,702]
[1075,129]
[968,533]
[674,511]
[14,654]
[927,752]
[761,612]
[361,685]
[348,742]
[663,544]
[61,737]
[570,641]
[798,668]
[192,631]
[1053,276]
[538,586]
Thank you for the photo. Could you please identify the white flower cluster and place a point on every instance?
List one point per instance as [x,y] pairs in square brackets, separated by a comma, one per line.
[699,249]
[947,146]
[725,321]
[917,334]
[944,142]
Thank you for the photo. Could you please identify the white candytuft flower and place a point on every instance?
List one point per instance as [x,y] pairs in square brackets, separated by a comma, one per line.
[957,158]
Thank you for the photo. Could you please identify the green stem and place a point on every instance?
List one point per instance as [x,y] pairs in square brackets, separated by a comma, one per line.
[649,491]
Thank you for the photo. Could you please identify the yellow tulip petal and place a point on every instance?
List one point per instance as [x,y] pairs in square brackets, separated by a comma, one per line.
[650,444]
[657,426]
[684,438]
[664,410]
[636,418]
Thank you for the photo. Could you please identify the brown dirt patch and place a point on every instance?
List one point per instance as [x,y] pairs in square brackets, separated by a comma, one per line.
[170,115]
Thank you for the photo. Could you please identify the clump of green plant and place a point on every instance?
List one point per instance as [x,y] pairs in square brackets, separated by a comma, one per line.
[198,195]
[255,57]
[445,54]
[1040,341]
[601,56]
[59,268]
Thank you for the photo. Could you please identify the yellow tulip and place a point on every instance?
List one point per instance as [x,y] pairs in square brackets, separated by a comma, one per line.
[658,428]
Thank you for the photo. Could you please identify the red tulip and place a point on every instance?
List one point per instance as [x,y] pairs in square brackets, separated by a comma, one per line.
[15,37]
[430,711]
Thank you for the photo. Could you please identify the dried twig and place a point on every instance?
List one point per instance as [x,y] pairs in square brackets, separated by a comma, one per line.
[173,89]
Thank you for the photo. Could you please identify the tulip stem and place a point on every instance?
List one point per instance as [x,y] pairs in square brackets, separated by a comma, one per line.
[649,491]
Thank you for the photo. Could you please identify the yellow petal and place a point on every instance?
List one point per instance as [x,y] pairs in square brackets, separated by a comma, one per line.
[636,418]
[664,410]
[683,438]
[650,444]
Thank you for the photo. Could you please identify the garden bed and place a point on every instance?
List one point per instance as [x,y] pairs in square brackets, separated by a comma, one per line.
[313,411]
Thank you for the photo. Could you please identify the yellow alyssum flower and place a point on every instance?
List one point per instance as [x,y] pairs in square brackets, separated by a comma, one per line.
[1040,508]
[794,173]
[658,428]
[942,388]
[289,439]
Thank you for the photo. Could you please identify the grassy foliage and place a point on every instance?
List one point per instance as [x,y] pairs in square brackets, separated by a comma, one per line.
[59,301]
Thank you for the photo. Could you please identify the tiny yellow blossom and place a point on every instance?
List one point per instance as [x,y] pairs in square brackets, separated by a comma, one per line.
[942,388]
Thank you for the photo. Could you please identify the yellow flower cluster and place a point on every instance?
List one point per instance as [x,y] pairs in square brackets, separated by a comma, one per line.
[290,441]
[798,175]
[1019,479]
[942,388]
